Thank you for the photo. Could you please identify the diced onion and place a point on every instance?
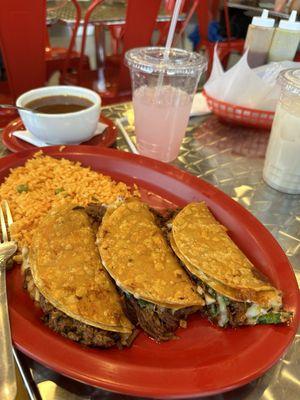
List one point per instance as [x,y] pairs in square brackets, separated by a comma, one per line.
[209,299]
[223,319]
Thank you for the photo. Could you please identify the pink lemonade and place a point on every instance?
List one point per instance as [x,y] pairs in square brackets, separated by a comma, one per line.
[161,117]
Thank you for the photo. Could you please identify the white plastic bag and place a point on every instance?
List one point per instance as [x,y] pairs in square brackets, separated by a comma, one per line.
[253,88]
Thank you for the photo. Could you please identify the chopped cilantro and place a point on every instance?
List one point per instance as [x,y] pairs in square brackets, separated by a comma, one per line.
[226,300]
[275,317]
[213,310]
[270,318]
[22,188]
[59,190]
[143,303]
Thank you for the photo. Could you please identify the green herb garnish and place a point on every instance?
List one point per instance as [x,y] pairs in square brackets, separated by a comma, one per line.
[22,188]
[226,300]
[274,318]
[213,310]
[59,190]
[143,303]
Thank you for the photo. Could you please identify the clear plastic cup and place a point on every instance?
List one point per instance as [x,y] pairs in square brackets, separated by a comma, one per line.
[163,91]
[282,163]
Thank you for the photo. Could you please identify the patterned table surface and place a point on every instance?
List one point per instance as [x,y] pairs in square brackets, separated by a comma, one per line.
[232,159]
[112,12]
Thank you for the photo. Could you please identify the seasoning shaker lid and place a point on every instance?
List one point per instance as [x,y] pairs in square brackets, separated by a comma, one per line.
[291,24]
[263,20]
[290,80]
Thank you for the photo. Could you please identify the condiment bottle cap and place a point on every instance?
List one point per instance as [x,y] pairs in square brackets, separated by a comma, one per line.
[291,23]
[263,20]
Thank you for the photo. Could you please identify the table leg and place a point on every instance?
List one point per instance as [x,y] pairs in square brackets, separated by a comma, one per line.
[100,56]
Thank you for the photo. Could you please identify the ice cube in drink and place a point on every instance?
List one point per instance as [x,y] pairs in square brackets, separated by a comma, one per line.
[161,116]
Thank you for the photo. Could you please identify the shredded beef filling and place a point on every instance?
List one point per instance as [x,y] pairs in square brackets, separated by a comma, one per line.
[76,330]
[95,212]
[236,311]
[158,322]
[163,221]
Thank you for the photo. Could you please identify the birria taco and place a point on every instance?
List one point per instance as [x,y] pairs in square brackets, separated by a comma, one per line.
[157,292]
[64,274]
[235,292]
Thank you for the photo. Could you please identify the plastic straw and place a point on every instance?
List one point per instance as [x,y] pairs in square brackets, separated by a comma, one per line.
[169,42]
[126,136]
[172,28]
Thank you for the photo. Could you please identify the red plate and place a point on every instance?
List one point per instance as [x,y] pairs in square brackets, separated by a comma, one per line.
[106,139]
[206,360]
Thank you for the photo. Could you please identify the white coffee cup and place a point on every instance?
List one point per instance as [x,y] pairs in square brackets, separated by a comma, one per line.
[68,128]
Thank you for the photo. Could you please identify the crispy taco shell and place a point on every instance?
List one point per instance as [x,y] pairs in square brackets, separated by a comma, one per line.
[265,298]
[136,254]
[205,245]
[67,270]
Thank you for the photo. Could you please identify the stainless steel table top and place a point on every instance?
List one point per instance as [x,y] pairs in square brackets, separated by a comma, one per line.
[256,9]
[107,13]
[232,159]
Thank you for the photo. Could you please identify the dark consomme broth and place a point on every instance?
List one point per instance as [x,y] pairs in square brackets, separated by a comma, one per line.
[60,104]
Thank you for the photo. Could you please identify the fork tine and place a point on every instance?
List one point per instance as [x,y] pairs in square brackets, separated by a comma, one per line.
[8,213]
[3,226]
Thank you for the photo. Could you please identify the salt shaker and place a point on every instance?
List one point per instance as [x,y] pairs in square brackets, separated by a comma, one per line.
[282,163]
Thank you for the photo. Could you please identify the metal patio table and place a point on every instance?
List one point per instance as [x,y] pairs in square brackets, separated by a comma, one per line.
[230,158]
[105,14]
[256,9]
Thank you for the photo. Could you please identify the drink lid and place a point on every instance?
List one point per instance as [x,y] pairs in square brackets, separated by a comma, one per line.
[152,60]
[290,80]
[290,24]
[263,20]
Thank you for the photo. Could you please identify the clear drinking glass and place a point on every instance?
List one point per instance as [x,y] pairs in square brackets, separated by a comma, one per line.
[282,163]
[163,91]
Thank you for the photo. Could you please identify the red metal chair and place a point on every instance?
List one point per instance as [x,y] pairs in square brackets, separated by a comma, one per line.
[22,41]
[112,80]
[189,8]
[56,56]
[163,27]
[117,31]
[207,11]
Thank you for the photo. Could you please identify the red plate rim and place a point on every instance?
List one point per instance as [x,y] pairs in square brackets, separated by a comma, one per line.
[116,375]
[15,144]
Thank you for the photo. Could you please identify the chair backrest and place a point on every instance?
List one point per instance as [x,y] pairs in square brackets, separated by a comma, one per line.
[204,18]
[163,27]
[139,26]
[22,41]
[189,8]
[72,39]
